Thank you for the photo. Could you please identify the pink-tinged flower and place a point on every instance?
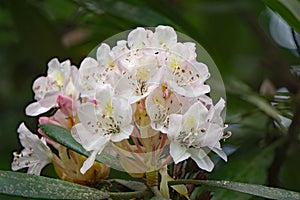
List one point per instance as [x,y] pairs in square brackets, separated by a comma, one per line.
[196,131]
[35,155]
[64,116]
[59,80]
[67,105]
[107,120]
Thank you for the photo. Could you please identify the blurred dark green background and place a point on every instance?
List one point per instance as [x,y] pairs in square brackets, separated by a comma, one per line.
[235,33]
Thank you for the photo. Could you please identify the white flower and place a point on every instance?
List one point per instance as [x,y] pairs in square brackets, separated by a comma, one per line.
[195,131]
[141,75]
[35,155]
[90,75]
[139,38]
[162,102]
[184,75]
[59,80]
[103,70]
[159,105]
[109,119]
[164,36]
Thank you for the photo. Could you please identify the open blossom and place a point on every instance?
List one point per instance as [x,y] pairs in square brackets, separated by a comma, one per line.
[35,155]
[102,70]
[64,117]
[141,76]
[147,88]
[163,101]
[59,80]
[109,119]
[197,129]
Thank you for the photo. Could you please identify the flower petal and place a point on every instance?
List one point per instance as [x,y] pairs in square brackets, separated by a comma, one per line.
[202,160]
[103,54]
[124,134]
[138,38]
[66,105]
[89,140]
[175,126]
[165,36]
[221,153]
[88,163]
[35,155]
[35,109]
[178,152]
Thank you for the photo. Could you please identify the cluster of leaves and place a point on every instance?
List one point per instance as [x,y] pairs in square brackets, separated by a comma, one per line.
[263,149]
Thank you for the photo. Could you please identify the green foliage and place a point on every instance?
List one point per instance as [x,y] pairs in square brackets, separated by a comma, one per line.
[252,171]
[239,88]
[25,185]
[258,190]
[33,31]
[63,136]
[140,15]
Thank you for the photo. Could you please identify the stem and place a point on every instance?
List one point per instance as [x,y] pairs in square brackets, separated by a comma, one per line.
[133,163]
[136,133]
[156,192]
[133,153]
[138,146]
[152,178]
[281,152]
[167,160]
[257,190]
[186,181]
[152,183]
[130,195]
[161,144]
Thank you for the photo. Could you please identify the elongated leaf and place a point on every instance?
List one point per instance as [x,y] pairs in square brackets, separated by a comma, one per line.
[133,185]
[254,170]
[20,184]
[239,88]
[288,9]
[137,14]
[263,105]
[258,190]
[63,137]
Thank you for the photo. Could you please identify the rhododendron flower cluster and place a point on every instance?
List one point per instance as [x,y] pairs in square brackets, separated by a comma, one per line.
[144,101]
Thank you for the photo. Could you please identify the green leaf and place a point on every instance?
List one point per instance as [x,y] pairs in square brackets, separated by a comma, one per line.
[133,185]
[257,190]
[288,9]
[26,185]
[133,13]
[254,170]
[239,88]
[263,105]
[63,137]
